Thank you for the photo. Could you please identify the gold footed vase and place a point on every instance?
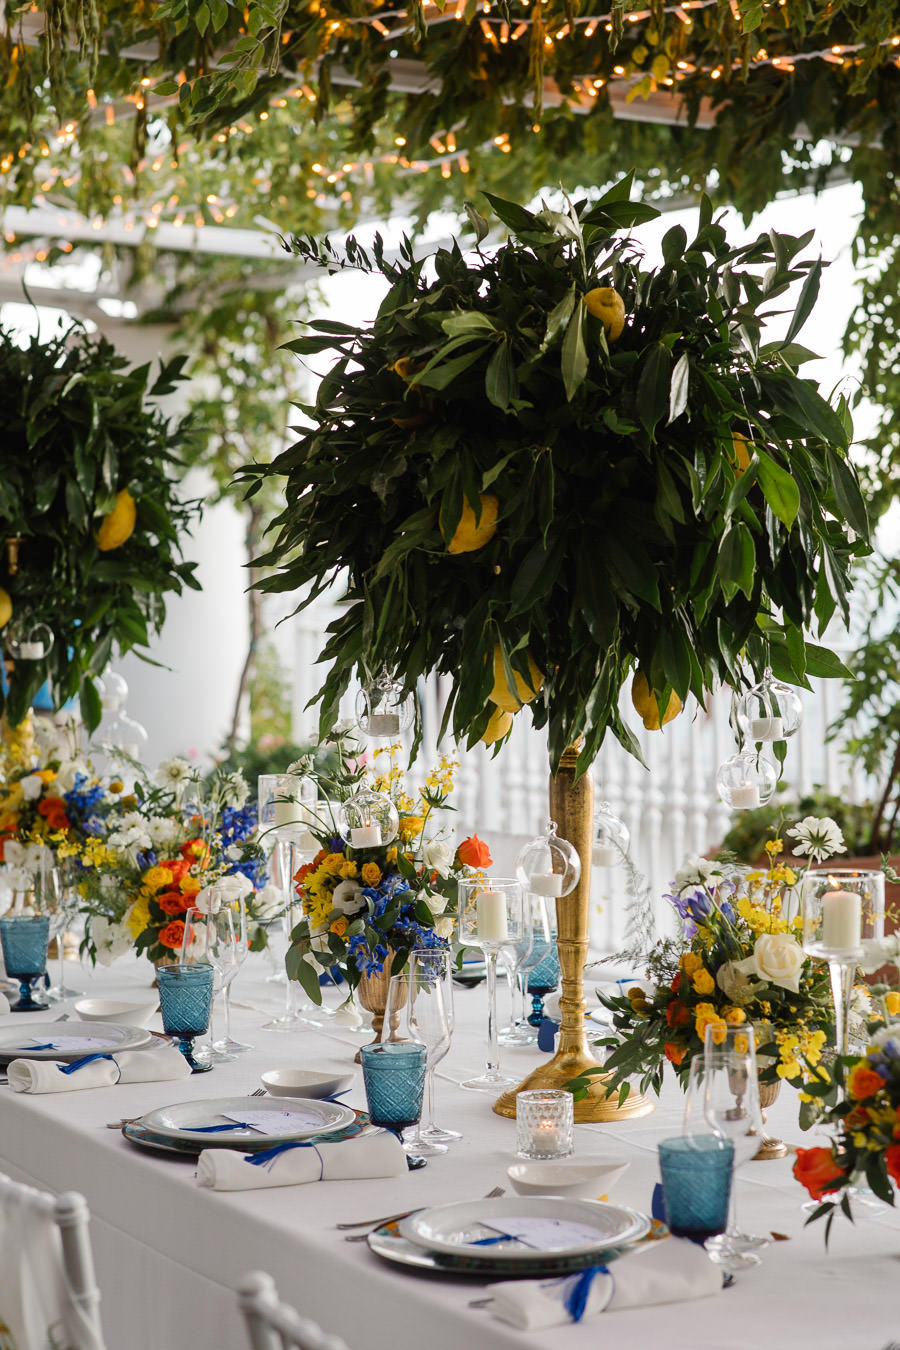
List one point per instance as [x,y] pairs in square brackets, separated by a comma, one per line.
[769,1148]
[572,807]
[372,992]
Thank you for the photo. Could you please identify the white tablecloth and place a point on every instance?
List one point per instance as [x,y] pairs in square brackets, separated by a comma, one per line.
[170,1254]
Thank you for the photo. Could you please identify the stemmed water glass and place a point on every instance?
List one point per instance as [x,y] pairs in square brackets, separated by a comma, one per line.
[491,915]
[436,963]
[516,958]
[212,939]
[232,944]
[61,904]
[415,1004]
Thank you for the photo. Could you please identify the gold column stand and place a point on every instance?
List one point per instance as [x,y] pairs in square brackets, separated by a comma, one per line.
[572,807]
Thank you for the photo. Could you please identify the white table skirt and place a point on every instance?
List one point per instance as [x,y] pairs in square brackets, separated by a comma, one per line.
[170,1255]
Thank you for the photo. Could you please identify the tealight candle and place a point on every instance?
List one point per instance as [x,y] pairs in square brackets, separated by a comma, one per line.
[604,855]
[384,724]
[491,916]
[546,883]
[746,797]
[285,812]
[365,836]
[766,729]
[841,920]
[544,1123]
[31,651]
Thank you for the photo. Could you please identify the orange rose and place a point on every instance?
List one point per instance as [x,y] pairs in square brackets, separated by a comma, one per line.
[195,851]
[172,903]
[48,805]
[340,926]
[678,1014]
[817,1170]
[172,935]
[676,983]
[892,1162]
[863,1081]
[474,852]
[177,866]
[674,1053]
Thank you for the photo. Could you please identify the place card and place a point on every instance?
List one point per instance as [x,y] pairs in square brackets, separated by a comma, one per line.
[89,1043]
[548,1235]
[275,1122]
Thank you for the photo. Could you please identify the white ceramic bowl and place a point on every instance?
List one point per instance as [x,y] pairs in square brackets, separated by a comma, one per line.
[573,1178]
[114,1010]
[305,1082]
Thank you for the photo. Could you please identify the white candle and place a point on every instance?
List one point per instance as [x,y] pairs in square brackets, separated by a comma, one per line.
[31,651]
[307,843]
[286,812]
[745,797]
[491,916]
[841,920]
[604,855]
[766,729]
[546,883]
[365,836]
[546,1137]
[384,724]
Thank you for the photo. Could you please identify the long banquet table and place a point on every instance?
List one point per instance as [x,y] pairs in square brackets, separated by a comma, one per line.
[170,1254]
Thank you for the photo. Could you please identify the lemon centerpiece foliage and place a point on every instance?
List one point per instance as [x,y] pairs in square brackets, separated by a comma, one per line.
[88,490]
[598,401]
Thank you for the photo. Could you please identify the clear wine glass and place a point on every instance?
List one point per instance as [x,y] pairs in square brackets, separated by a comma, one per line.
[415,1005]
[230,920]
[436,963]
[209,939]
[730,1087]
[491,915]
[515,956]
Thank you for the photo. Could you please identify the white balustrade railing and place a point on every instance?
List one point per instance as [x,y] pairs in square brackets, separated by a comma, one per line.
[671,807]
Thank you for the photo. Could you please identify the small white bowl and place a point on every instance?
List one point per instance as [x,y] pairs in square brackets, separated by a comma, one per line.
[112,1010]
[573,1178]
[305,1082]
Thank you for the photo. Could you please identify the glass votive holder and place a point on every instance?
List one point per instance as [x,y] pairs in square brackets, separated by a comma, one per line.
[545,1123]
[841,906]
[394,1079]
[696,1172]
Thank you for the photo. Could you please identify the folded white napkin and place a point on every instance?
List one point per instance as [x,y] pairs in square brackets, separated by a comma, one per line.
[128,1066]
[669,1271]
[370,1155]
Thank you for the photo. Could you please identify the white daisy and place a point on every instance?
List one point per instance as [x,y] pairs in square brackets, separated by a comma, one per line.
[819,837]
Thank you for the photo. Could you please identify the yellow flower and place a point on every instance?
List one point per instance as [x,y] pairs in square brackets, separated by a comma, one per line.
[391,855]
[705,1015]
[690,963]
[156,879]
[773,847]
[411,827]
[138,917]
[371,873]
[703,982]
[340,926]
[189,885]
[892,1002]
[47,775]
[349,868]
[333,862]
[116,786]
[735,1016]
[784,874]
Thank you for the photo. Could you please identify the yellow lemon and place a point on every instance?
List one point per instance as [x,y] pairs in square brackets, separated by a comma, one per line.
[506,698]
[118,526]
[644,701]
[470,536]
[607,305]
[406,368]
[499,726]
[6,607]
[741,460]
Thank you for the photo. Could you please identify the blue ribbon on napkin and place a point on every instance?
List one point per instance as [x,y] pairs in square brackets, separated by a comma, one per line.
[267,1157]
[491,1242]
[88,1059]
[577,1288]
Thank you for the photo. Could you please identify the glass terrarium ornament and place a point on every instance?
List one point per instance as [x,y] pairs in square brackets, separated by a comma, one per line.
[611,838]
[383,708]
[770,711]
[368,819]
[28,641]
[548,865]
[745,781]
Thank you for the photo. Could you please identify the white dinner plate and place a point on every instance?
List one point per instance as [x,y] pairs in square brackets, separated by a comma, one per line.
[191,1120]
[68,1040]
[461,1227]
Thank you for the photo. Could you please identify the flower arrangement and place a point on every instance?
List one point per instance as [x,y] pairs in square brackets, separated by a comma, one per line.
[362,905]
[738,961]
[152,860]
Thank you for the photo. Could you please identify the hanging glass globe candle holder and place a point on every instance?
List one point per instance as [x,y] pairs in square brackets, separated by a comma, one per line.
[368,819]
[28,641]
[383,709]
[745,781]
[548,865]
[770,711]
[611,838]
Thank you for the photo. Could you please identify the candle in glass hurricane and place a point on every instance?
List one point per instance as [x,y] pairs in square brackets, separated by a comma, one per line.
[384,724]
[491,916]
[841,920]
[604,855]
[745,798]
[766,729]
[365,836]
[546,883]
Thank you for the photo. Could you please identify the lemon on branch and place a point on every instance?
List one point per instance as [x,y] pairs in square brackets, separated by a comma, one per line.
[118,525]
[6,607]
[741,457]
[512,700]
[644,700]
[606,304]
[500,725]
[471,535]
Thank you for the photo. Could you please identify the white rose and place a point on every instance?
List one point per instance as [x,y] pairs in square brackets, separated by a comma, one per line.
[891,1032]
[111,940]
[777,958]
[269,903]
[32,785]
[733,982]
[696,872]
[436,903]
[444,928]
[68,772]
[346,897]
[437,856]
[233,887]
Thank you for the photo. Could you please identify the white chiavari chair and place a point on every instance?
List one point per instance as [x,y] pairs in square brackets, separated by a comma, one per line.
[273,1325]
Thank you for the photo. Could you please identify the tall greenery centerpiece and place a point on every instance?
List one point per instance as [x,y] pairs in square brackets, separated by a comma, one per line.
[91,522]
[549,466]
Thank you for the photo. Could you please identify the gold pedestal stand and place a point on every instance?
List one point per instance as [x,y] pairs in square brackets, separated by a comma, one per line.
[572,807]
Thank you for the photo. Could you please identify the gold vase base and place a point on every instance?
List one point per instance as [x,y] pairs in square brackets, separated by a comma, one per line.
[595,1108]
[769,1149]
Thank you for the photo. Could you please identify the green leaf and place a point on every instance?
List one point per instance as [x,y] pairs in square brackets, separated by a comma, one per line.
[737,560]
[653,386]
[513,215]
[847,493]
[500,383]
[807,300]
[477,221]
[466,322]
[559,317]
[678,390]
[779,488]
[574,356]
[440,376]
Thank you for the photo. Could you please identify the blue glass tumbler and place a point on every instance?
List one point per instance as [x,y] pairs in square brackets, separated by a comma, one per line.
[24,942]
[543,978]
[185,999]
[696,1173]
[394,1078]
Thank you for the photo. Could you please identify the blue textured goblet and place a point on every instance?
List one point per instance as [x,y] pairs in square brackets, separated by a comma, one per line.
[696,1173]
[394,1078]
[543,979]
[185,998]
[24,942]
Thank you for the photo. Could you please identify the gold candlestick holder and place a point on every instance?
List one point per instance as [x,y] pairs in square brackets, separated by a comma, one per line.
[572,807]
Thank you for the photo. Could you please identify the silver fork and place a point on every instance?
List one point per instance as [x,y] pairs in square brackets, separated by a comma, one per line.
[258,1092]
[372,1224]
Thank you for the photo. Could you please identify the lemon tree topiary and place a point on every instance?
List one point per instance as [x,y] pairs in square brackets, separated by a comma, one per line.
[90,507]
[628,533]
